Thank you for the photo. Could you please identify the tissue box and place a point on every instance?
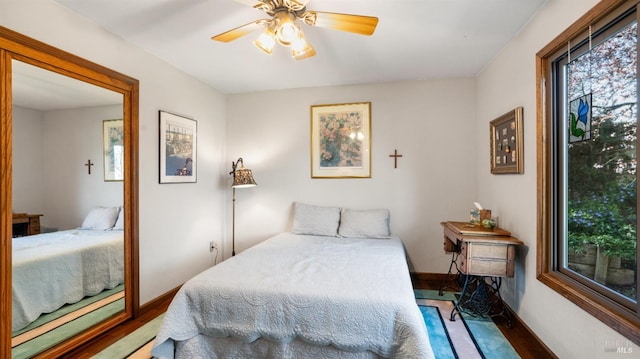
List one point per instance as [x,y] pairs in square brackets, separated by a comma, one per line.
[476,216]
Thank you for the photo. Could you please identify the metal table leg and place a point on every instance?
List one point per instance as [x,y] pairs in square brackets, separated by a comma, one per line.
[480,296]
[451,277]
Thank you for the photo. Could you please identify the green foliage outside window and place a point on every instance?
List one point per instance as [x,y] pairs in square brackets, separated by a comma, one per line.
[601,169]
[606,220]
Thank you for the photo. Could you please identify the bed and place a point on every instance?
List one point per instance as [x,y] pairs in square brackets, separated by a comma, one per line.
[58,268]
[300,295]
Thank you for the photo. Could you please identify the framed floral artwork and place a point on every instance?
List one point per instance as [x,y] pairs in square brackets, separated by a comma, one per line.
[506,143]
[178,140]
[113,150]
[341,140]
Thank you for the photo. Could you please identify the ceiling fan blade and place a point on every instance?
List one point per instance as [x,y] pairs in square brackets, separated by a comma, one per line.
[239,31]
[359,24]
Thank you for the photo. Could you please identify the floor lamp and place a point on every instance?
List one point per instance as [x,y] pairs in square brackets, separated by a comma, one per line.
[242,178]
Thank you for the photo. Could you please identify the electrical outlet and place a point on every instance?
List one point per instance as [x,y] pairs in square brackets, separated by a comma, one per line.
[212,245]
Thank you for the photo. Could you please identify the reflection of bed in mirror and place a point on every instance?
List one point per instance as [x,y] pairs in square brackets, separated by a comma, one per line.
[55,114]
[58,268]
[59,130]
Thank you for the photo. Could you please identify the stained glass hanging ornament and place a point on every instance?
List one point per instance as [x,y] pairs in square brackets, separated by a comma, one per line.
[580,108]
[580,119]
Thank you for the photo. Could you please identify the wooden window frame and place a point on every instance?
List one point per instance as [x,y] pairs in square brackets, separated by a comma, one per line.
[622,319]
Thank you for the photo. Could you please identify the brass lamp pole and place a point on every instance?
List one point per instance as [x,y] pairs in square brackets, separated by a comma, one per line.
[242,178]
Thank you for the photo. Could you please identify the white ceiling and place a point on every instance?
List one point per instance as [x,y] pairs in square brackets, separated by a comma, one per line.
[414,40]
[43,90]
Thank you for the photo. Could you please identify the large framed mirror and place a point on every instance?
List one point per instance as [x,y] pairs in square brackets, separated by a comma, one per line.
[68,198]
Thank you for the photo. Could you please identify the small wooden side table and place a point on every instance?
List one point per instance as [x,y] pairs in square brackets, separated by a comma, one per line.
[482,257]
[25,224]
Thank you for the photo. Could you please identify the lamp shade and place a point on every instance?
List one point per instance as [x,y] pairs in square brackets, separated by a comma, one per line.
[301,49]
[266,41]
[243,178]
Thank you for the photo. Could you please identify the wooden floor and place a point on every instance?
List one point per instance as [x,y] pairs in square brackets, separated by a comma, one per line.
[526,344]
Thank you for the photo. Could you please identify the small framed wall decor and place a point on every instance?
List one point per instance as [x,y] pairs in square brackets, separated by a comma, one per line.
[113,150]
[506,143]
[341,140]
[178,140]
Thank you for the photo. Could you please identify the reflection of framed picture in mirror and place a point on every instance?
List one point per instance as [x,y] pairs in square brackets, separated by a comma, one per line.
[341,140]
[506,143]
[113,150]
[178,139]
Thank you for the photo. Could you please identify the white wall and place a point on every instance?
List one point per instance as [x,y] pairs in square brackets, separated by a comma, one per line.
[431,123]
[27,186]
[176,221]
[70,138]
[509,81]
[49,152]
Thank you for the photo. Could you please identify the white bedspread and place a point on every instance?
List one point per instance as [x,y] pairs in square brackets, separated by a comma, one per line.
[53,269]
[353,294]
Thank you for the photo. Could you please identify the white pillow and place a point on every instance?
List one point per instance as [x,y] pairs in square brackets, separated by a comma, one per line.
[100,218]
[372,223]
[120,221]
[315,220]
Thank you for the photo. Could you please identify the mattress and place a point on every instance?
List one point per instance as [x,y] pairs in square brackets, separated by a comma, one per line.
[58,268]
[347,297]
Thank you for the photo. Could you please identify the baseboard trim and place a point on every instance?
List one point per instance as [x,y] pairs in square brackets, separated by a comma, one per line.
[158,301]
[429,276]
[517,321]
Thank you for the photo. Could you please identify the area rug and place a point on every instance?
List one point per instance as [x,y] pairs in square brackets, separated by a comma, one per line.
[467,337]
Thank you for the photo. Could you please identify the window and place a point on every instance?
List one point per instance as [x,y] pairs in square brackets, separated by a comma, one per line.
[587,152]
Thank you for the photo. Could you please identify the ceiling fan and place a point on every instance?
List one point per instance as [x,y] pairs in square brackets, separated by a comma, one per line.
[283,28]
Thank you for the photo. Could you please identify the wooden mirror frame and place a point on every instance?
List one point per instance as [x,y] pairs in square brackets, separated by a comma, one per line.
[16,46]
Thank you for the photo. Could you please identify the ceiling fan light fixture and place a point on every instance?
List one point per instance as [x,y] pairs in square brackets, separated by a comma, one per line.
[266,41]
[287,31]
[301,49]
[308,52]
[283,26]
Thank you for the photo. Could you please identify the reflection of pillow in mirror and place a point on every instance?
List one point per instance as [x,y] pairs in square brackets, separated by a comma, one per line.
[100,218]
[315,220]
[120,221]
[372,223]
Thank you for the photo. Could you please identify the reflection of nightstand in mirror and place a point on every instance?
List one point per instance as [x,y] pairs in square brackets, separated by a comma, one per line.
[25,224]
